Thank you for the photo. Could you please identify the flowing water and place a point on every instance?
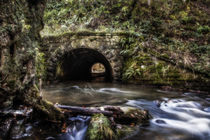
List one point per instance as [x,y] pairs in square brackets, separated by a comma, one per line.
[176,115]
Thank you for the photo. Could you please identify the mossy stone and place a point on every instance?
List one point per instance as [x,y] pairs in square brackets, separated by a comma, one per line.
[100,128]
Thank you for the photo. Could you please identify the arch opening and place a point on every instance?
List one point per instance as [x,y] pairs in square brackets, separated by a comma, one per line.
[85,65]
[98,68]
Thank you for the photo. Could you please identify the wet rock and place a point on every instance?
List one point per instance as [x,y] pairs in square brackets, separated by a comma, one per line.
[17,130]
[128,123]
[5,126]
[21,112]
[207,109]
[126,131]
[76,128]
[121,125]
[5,100]
[160,121]
[12,123]
[50,138]
[133,115]
[7,104]
[20,130]
[100,128]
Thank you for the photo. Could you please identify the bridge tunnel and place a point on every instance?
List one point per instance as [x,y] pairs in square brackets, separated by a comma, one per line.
[78,65]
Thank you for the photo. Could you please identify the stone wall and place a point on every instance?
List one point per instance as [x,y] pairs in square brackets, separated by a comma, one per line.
[107,44]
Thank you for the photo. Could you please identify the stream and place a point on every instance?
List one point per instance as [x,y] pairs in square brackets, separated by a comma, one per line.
[176,115]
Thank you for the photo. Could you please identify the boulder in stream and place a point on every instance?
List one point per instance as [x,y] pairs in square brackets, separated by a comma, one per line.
[117,126]
[100,128]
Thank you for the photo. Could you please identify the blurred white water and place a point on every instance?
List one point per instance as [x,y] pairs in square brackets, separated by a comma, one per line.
[187,116]
[176,115]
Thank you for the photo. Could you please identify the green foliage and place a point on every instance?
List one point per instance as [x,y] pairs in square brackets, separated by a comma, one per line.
[203,29]
[162,18]
[59,70]
[176,31]
[131,70]
[40,65]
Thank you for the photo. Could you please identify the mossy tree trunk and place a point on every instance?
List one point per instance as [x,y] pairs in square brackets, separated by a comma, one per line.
[20,24]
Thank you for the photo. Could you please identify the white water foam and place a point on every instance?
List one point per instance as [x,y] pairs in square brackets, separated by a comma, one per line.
[187,116]
[113,90]
[199,126]
[76,130]
[191,117]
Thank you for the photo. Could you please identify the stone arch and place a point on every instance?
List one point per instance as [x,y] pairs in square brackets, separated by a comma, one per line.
[69,63]
[108,45]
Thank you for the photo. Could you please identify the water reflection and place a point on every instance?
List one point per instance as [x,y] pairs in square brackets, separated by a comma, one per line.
[94,94]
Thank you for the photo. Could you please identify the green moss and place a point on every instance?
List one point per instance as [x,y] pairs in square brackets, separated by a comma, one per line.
[40,65]
[126,131]
[167,31]
[100,128]
[59,71]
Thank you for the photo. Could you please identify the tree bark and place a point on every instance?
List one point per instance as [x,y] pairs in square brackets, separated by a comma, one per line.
[88,111]
[132,115]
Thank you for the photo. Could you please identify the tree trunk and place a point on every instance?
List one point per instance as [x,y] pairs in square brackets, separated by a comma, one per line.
[122,115]
[20,24]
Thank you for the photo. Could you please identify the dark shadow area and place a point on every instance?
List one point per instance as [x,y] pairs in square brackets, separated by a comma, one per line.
[77,65]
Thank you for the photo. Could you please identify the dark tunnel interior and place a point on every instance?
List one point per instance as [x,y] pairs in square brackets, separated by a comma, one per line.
[77,64]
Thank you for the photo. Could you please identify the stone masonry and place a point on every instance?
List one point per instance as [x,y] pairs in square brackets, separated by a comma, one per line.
[55,47]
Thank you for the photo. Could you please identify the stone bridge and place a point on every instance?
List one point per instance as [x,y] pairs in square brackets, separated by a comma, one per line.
[70,56]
